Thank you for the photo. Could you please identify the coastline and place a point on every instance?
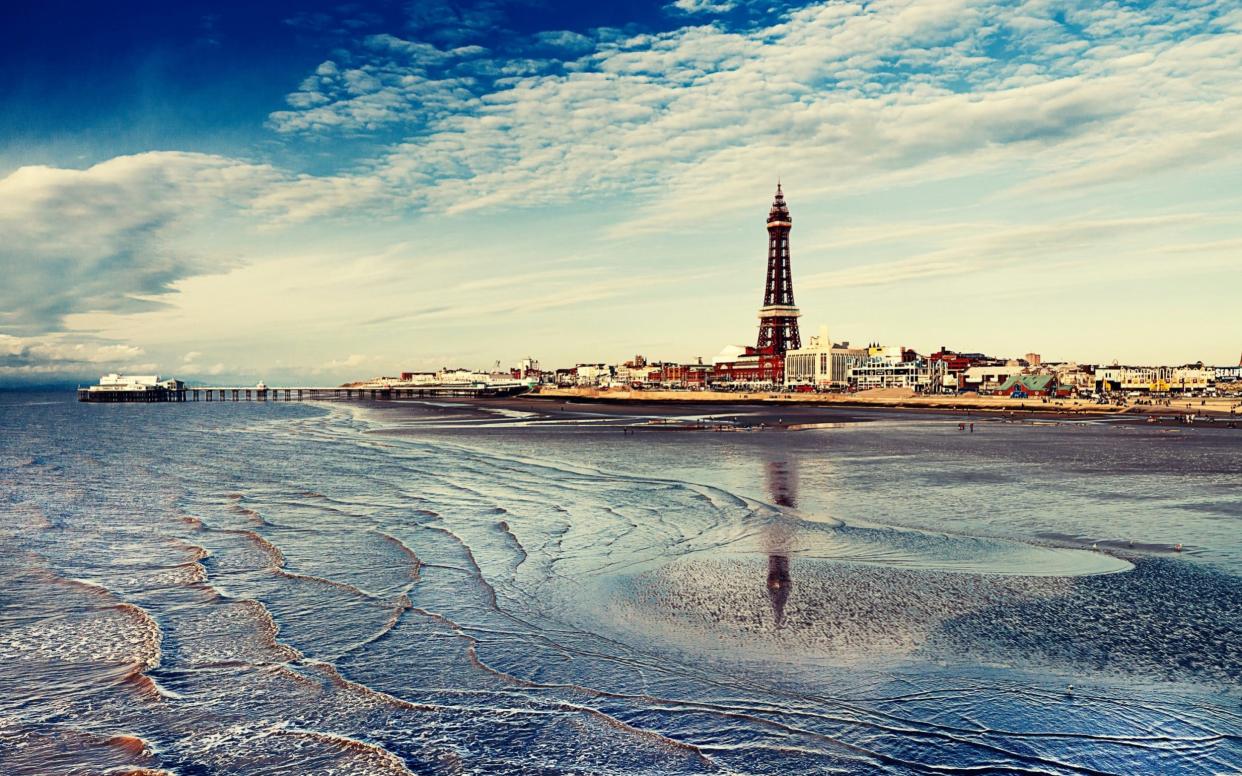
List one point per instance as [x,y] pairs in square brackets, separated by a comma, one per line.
[1216,409]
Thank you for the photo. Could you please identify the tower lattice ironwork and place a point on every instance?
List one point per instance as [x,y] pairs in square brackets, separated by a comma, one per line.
[778,318]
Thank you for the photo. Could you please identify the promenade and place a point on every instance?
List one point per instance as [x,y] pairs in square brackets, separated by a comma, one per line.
[1217,407]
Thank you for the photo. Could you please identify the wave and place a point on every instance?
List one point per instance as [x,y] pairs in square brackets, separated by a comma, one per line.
[268,629]
[325,581]
[46,748]
[146,632]
[276,558]
[364,758]
[333,674]
[405,550]
[648,735]
[248,513]
[515,542]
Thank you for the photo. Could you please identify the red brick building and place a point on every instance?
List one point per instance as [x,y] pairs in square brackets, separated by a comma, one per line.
[752,367]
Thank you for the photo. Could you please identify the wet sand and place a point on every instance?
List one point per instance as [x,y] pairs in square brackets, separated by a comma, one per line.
[738,414]
[518,587]
[650,414]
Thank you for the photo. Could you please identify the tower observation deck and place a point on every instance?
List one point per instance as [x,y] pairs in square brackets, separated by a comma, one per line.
[778,318]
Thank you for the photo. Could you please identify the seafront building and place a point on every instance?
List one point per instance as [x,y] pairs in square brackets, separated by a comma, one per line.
[116,387]
[989,378]
[821,364]
[1154,379]
[1033,385]
[779,361]
[897,367]
[1228,374]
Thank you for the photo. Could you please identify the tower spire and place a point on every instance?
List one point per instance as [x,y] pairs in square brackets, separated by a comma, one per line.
[778,318]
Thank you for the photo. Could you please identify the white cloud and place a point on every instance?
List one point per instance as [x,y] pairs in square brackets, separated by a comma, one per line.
[402,82]
[200,370]
[56,354]
[565,39]
[979,248]
[102,238]
[354,359]
[703,6]
[691,118]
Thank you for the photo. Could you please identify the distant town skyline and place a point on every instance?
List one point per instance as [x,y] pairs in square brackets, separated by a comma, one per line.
[321,192]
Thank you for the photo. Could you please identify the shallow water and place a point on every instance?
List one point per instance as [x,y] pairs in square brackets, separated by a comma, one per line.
[277,589]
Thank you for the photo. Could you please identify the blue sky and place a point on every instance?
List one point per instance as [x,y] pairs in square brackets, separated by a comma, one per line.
[318,192]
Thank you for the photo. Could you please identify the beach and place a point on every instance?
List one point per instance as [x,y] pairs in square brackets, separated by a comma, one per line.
[521,585]
[1216,408]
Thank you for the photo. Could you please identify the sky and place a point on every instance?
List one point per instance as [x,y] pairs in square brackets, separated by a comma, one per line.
[317,192]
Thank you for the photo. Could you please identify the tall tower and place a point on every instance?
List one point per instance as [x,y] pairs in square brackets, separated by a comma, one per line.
[778,318]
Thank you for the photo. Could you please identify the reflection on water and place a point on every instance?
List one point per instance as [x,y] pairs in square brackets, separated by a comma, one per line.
[270,589]
[779,586]
[783,490]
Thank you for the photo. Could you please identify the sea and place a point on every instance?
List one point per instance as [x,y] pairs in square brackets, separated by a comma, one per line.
[452,588]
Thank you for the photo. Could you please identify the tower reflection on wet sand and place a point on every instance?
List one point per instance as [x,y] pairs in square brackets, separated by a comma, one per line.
[782,488]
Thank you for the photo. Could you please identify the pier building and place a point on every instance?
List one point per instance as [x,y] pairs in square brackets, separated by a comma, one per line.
[116,387]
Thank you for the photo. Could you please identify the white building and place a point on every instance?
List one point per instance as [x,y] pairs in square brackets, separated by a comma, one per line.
[1073,375]
[822,364]
[1155,379]
[886,367]
[1124,378]
[593,375]
[985,379]
[420,378]
[527,368]
[631,373]
[130,381]
[119,382]
[462,377]
[878,372]
[1187,378]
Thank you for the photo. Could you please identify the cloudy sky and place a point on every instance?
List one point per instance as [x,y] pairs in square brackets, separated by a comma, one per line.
[316,192]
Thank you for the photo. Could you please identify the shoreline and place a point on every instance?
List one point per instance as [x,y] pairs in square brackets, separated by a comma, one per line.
[654,415]
[1213,412]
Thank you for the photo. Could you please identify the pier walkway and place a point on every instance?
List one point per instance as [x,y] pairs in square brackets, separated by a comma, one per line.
[299,393]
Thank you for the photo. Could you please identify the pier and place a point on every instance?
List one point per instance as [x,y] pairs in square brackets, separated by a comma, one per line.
[299,393]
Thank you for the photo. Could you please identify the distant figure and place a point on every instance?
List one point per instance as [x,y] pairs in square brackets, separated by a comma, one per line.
[1178,548]
[972,427]
[1069,690]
